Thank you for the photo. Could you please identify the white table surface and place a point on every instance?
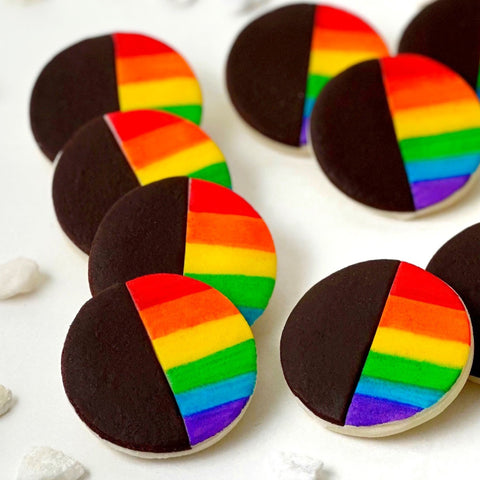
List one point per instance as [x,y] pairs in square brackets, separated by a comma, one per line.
[317,230]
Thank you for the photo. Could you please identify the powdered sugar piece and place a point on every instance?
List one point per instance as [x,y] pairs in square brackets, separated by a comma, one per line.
[291,466]
[18,276]
[6,400]
[45,463]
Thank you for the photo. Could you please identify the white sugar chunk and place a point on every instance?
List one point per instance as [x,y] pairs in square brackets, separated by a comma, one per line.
[18,276]
[291,466]
[241,5]
[6,400]
[44,463]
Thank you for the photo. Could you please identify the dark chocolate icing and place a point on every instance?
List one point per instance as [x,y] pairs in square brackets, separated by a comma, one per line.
[354,139]
[458,264]
[267,71]
[448,31]
[114,380]
[144,232]
[328,335]
[91,175]
[75,86]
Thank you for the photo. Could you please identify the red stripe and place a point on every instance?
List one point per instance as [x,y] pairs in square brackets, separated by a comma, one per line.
[335,19]
[408,67]
[210,197]
[129,125]
[132,44]
[417,284]
[158,288]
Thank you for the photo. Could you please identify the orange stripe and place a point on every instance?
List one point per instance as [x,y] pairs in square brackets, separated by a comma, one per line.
[229,231]
[186,312]
[151,67]
[426,319]
[416,93]
[153,146]
[352,41]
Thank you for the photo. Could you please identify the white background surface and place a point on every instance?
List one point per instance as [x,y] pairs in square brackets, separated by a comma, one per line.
[316,229]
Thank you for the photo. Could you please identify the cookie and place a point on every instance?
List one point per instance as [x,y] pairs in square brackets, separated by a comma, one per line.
[117,152]
[190,227]
[104,74]
[448,31]
[406,138]
[161,366]
[281,61]
[377,348]
[458,263]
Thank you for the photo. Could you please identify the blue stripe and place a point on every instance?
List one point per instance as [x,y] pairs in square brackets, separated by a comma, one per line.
[308,107]
[250,314]
[210,396]
[418,171]
[398,392]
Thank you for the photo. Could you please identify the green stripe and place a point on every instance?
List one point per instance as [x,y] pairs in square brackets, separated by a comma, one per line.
[243,290]
[315,84]
[190,112]
[445,145]
[217,173]
[228,363]
[412,372]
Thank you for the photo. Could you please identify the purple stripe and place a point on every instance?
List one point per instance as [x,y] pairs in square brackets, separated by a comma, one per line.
[366,411]
[303,132]
[429,192]
[203,425]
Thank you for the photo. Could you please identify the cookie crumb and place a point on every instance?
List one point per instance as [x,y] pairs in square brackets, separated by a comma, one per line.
[291,466]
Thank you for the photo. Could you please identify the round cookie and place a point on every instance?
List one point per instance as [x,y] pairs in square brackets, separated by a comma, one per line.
[118,152]
[458,263]
[161,366]
[448,31]
[189,227]
[377,348]
[122,71]
[281,61]
[406,138]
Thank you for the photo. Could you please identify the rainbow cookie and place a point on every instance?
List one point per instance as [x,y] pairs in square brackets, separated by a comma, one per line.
[458,263]
[411,121]
[447,30]
[104,74]
[189,227]
[118,152]
[282,60]
[161,366]
[377,348]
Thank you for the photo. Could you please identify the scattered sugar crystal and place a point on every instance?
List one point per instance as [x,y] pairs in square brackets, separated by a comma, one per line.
[44,463]
[18,276]
[6,400]
[291,466]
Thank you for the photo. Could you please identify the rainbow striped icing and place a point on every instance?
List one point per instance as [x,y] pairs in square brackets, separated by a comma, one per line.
[151,75]
[436,117]
[204,346]
[339,40]
[229,247]
[159,145]
[420,348]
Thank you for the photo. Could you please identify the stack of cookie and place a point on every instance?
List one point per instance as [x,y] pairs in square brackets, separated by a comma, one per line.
[162,360]
[381,346]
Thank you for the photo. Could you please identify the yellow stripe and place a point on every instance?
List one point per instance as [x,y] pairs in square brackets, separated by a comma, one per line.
[182,163]
[170,92]
[391,341]
[191,344]
[436,119]
[219,260]
[331,62]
